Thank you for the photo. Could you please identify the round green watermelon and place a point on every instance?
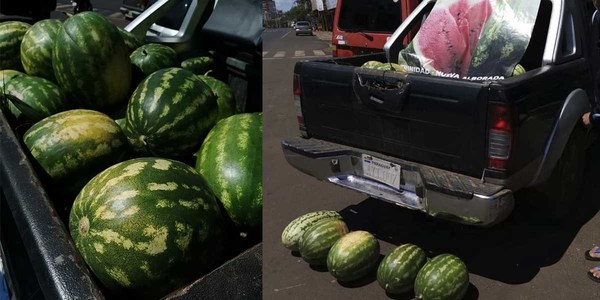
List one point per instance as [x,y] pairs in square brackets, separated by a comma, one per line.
[317,240]
[372,64]
[37,47]
[147,226]
[353,256]
[11,35]
[225,100]
[91,62]
[150,58]
[443,277]
[42,96]
[519,70]
[231,161]
[397,272]
[198,65]
[169,113]
[6,75]
[290,237]
[75,145]
[130,40]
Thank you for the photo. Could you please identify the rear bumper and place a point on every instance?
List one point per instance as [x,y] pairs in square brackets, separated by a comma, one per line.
[434,191]
[304,31]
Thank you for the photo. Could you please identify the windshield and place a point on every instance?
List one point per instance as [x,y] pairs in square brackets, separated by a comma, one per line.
[302,24]
[370,16]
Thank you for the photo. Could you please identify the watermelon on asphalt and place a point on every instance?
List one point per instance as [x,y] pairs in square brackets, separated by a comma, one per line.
[147,226]
[75,145]
[130,40]
[225,100]
[11,35]
[231,161]
[91,62]
[37,47]
[43,96]
[198,65]
[443,277]
[290,237]
[169,113]
[319,238]
[397,272]
[353,256]
[150,58]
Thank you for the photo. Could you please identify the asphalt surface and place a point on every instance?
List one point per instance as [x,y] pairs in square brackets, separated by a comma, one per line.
[523,258]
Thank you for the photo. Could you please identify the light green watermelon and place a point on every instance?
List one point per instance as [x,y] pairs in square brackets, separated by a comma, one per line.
[290,237]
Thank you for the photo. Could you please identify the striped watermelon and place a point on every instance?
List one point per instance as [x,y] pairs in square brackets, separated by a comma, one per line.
[519,70]
[11,35]
[290,237]
[353,256]
[169,113]
[75,145]
[130,40]
[372,64]
[91,62]
[198,65]
[6,75]
[150,58]
[231,161]
[147,226]
[42,95]
[443,277]
[37,47]
[319,238]
[397,272]
[225,100]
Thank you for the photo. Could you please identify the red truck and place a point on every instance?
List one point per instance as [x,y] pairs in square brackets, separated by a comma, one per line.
[362,27]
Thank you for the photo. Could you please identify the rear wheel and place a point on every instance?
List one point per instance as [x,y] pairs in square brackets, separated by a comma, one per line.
[560,192]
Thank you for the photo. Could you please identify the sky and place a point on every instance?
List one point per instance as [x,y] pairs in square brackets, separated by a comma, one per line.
[284,5]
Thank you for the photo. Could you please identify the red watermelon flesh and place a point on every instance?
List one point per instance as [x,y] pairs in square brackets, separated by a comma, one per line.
[450,34]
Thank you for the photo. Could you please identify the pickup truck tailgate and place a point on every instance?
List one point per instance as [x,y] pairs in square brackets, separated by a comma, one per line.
[436,121]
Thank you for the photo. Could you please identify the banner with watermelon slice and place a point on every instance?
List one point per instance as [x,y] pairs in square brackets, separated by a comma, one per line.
[472,39]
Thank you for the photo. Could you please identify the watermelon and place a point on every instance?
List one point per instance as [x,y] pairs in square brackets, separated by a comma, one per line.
[290,237]
[121,123]
[5,76]
[198,65]
[91,62]
[37,47]
[169,113]
[443,277]
[225,100]
[353,256]
[372,64]
[397,272]
[519,70]
[153,57]
[316,241]
[75,145]
[131,42]
[11,35]
[42,95]
[231,161]
[147,226]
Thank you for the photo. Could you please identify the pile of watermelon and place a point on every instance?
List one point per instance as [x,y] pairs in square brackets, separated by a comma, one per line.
[156,173]
[322,238]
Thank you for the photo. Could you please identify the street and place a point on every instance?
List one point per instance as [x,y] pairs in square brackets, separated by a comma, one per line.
[522,258]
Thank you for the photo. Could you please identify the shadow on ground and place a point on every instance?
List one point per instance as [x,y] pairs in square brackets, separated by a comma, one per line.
[512,252]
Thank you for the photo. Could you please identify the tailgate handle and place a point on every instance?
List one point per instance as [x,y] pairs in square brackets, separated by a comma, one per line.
[380,94]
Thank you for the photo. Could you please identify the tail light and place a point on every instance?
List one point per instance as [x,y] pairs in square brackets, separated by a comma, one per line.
[500,136]
[298,105]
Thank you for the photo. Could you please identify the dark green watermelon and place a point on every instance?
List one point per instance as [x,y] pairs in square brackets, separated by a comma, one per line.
[198,65]
[130,40]
[37,47]
[353,256]
[7,75]
[397,272]
[318,239]
[443,277]
[40,94]
[91,62]
[11,35]
[150,58]
[225,100]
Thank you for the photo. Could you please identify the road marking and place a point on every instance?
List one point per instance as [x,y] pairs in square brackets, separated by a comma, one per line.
[265,53]
[285,34]
[319,52]
[299,53]
[279,54]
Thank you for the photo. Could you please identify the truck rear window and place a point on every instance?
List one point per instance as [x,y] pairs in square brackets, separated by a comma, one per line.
[370,16]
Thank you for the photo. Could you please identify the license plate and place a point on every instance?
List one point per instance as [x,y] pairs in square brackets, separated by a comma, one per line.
[381,170]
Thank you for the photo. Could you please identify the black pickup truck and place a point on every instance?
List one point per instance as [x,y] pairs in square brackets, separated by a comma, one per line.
[454,148]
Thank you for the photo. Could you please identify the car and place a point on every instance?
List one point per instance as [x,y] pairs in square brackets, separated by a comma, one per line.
[303,27]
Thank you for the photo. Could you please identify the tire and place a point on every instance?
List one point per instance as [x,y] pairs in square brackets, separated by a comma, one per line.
[560,192]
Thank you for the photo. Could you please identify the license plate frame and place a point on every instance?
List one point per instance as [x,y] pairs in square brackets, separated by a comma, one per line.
[381,170]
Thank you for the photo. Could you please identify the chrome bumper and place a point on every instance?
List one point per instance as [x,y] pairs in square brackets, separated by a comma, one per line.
[436,192]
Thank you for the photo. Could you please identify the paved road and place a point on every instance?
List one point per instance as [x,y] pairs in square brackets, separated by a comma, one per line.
[524,258]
